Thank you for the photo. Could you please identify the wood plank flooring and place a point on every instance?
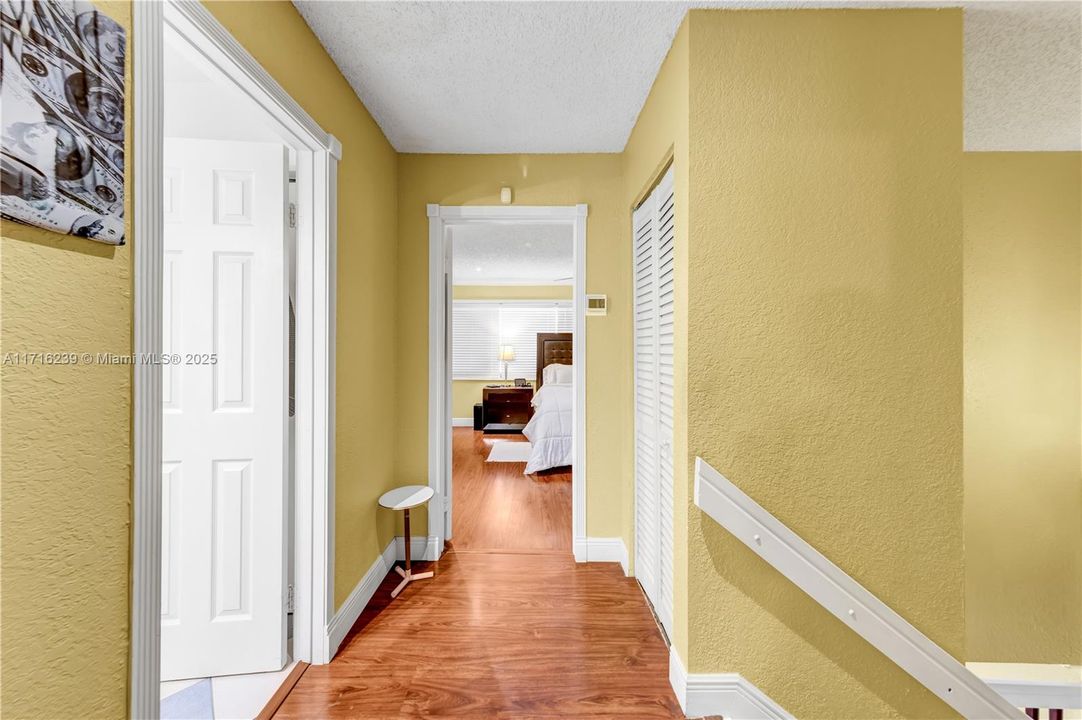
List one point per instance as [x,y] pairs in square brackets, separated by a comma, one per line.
[498,508]
[510,627]
[497,635]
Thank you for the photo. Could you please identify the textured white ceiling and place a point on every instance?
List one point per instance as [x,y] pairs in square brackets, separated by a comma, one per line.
[541,77]
[1023,76]
[495,254]
[497,77]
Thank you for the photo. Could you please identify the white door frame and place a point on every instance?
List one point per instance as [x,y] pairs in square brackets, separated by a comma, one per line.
[440,217]
[318,152]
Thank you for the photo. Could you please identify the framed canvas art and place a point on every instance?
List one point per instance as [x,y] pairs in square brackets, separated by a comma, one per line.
[62,118]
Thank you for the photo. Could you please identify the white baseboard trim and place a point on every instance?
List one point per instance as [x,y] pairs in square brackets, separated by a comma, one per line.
[726,694]
[594,549]
[421,548]
[424,548]
[358,599]
[461,422]
[578,549]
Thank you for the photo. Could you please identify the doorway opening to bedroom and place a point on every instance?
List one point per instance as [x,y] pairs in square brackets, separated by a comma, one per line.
[507,387]
[512,325]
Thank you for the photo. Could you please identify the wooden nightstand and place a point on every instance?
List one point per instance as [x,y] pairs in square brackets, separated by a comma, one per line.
[507,409]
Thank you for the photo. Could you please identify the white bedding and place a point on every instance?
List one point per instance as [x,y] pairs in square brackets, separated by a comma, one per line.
[549,430]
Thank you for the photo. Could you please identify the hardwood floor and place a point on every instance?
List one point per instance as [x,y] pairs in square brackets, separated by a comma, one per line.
[498,508]
[510,627]
[497,635]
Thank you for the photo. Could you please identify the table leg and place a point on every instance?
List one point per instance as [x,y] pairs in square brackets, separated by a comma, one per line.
[407,524]
[407,574]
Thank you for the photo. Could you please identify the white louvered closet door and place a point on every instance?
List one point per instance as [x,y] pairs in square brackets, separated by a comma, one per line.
[654,238]
[665,236]
[647,511]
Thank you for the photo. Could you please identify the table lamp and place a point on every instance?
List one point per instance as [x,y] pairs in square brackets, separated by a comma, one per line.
[507,354]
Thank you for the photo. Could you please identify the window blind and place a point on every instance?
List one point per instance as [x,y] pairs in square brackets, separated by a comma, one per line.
[480,328]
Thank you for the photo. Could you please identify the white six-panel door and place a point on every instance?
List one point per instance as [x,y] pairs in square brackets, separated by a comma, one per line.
[653,276]
[225,409]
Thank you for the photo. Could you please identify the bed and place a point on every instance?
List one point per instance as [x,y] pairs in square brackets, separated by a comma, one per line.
[550,430]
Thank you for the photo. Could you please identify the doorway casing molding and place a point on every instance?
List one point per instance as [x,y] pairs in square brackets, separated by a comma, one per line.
[206,42]
[440,218]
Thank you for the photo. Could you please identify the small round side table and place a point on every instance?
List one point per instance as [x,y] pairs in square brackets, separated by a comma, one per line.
[404,498]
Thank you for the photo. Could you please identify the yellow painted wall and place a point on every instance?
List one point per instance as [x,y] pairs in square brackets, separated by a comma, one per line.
[1023,361]
[465,393]
[537,180]
[660,135]
[65,452]
[367,239]
[65,468]
[825,338]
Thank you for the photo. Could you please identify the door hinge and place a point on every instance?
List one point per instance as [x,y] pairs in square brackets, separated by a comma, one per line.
[289,598]
[292,215]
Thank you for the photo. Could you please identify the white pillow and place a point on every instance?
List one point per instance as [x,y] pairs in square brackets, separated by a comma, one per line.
[548,375]
[565,375]
[556,374]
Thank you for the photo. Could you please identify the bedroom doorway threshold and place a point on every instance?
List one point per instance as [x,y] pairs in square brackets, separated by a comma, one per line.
[441,219]
[500,509]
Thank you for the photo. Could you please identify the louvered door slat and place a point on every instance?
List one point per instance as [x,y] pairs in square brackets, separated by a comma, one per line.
[647,509]
[665,238]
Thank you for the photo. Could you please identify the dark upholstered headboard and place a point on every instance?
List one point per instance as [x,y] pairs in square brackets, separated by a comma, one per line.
[552,348]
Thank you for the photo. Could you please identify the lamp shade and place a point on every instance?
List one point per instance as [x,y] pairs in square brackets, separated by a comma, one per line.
[507,353]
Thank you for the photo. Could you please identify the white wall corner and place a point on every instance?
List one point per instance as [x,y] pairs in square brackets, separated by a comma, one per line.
[358,600]
[421,548]
[726,694]
[390,553]
[678,679]
[578,549]
[603,550]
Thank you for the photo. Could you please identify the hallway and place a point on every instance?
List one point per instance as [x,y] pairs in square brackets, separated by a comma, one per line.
[507,636]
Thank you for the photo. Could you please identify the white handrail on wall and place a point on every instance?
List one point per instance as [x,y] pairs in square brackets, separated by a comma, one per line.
[846,599]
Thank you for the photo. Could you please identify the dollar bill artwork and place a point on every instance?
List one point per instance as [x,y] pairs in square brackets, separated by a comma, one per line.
[62,118]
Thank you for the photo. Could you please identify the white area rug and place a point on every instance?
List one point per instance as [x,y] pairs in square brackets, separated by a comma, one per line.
[504,451]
